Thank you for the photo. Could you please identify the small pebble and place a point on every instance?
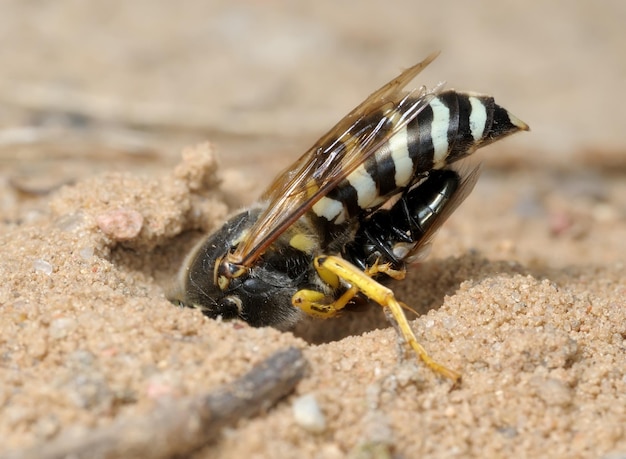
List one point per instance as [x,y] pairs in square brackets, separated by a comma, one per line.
[71,222]
[120,224]
[61,327]
[43,266]
[86,253]
[308,414]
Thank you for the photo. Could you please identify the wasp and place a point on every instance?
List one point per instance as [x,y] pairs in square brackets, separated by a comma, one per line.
[359,206]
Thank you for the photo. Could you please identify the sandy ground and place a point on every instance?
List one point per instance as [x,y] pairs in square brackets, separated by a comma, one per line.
[524,292]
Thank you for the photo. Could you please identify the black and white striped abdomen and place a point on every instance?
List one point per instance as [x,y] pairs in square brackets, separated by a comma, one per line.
[399,234]
[451,126]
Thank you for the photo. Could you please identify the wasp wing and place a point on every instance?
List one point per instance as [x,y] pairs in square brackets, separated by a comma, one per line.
[333,157]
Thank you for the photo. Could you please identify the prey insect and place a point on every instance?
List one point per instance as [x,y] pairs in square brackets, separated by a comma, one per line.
[352,212]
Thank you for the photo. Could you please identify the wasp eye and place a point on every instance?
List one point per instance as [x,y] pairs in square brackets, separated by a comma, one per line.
[256,286]
[228,307]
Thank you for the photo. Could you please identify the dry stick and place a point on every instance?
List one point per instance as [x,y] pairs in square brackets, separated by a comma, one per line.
[181,427]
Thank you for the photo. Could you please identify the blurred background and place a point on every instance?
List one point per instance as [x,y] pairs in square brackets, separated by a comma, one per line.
[87,87]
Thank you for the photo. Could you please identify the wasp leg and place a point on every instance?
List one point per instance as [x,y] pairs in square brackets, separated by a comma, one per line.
[319,305]
[322,306]
[360,281]
[384,268]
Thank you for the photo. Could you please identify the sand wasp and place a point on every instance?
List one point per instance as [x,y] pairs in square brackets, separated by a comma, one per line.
[353,211]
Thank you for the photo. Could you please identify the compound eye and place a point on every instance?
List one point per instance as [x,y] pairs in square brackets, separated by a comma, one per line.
[256,286]
[229,307]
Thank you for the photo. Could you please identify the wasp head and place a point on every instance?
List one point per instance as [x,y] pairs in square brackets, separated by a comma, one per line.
[260,294]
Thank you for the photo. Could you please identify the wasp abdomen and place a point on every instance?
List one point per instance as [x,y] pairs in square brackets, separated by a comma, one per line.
[451,126]
[394,235]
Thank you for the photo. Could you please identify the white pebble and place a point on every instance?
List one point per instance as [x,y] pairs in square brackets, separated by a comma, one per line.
[86,252]
[61,327]
[308,414]
[43,266]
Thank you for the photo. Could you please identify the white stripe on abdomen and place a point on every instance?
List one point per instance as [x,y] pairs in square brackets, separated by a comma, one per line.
[399,148]
[478,118]
[439,132]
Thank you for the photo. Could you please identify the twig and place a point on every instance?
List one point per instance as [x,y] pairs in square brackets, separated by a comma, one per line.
[180,428]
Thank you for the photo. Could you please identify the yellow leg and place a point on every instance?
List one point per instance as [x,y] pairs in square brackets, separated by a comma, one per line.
[317,304]
[360,281]
[385,268]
